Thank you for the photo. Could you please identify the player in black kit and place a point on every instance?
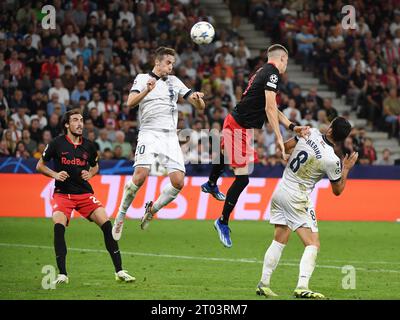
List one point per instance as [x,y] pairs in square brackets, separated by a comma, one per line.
[258,104]
[75,162]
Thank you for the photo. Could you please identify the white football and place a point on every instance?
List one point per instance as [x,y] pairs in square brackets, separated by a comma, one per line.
[202,33]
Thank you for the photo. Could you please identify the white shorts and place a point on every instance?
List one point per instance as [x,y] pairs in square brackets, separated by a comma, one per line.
[164,145]
[293,209]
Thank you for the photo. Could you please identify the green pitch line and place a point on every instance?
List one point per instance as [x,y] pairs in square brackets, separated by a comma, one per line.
[176,259]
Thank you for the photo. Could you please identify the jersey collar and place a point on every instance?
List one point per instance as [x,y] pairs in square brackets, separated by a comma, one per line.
[327,141]
[154,75]
[272,64]
[71,142]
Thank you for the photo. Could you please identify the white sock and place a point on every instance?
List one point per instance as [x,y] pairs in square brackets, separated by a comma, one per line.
[307,265]
[130,190]
[168,194]
[271,260]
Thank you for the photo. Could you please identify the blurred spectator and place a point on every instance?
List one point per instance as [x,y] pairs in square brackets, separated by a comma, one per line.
[9,143]
[110,127]
[368,153]
[18,101]
[69,36]
[92,137]
[54,126]
[16,66]
[35,131]
[108,154]
[103,141]
[97,103]
[30,144]
[80,91]
[117,151]
[331,112]
[391,110]
[308,119]
[357,87]
[63,93]
[130,134]
[4,151]
[21,119]
[386,159]
[21,152]
[96,51]
[373,105]
[305,46]
[341,72]
[292,108]
[50,68]
[55,104]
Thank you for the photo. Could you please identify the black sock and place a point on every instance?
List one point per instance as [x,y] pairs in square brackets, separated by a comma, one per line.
[60,247]
[216,171]
[112,246]
[233,195]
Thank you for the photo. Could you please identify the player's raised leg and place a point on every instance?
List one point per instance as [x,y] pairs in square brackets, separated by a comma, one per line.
[99,216]
[130,190]
[60,222]
[307,264]
[167,195]
[211,185]
[232,196]
[271,260]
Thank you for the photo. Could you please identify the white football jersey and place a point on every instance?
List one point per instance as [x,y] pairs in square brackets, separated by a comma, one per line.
[158,109]
[310,160]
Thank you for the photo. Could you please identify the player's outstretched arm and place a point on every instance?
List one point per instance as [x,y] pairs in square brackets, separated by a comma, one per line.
[134,98]
[290,144]
[301,131]
[42,168]
[273,118]
[196,99]
[348,163]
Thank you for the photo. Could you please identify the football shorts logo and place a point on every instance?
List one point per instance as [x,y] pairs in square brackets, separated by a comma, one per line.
[273,78]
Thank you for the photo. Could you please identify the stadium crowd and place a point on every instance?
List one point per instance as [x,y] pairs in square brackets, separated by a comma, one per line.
[91,58]
[362,63]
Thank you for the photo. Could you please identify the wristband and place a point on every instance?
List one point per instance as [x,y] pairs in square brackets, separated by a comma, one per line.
[291,126]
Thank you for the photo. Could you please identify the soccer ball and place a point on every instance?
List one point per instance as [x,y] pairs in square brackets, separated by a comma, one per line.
[202,33]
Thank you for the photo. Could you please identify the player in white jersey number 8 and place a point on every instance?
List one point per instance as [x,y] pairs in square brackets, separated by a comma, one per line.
[291,207]
[156,93]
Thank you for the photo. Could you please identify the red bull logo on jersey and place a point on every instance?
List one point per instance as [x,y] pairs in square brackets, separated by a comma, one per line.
[74,161]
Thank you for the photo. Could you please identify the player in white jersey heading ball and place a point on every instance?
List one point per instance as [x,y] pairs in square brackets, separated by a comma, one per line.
[157,93]
[291,208]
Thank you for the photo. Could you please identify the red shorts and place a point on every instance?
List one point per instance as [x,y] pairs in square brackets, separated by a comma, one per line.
[237,143]
[84,203]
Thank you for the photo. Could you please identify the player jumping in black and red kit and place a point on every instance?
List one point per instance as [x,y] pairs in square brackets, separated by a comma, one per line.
[258,104]
[75,162]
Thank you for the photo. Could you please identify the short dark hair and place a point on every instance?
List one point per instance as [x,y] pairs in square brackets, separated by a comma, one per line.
[163,51]
[67,117]
[340,129]
[275,47]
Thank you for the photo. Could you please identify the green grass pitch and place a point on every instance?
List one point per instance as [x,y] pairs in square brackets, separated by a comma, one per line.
[177,259]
